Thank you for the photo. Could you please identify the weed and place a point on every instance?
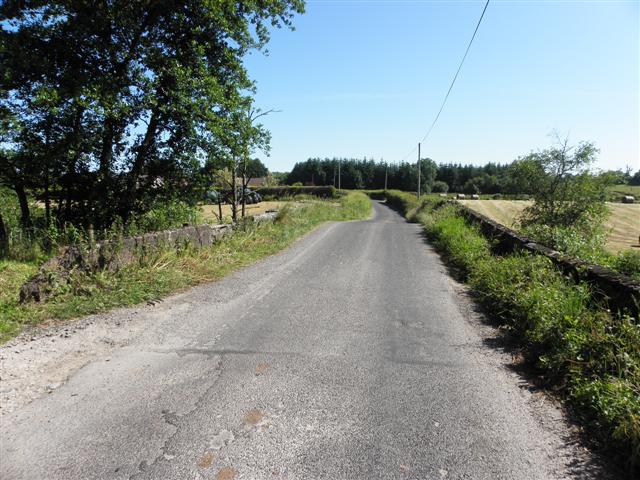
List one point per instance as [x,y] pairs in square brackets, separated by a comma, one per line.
[587,354]
[161,272]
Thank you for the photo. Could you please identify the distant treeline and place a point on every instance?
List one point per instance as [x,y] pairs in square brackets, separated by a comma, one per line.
[369,174]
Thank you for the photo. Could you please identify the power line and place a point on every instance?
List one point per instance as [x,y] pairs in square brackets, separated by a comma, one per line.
[453,81]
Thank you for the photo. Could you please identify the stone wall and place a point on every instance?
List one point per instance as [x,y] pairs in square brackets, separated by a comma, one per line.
[113,256]
[621,292]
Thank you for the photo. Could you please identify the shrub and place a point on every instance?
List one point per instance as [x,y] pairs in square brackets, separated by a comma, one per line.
[591,356]
[471,186]
[440,187]
[627,262]
[403,201]
[375,194]
[571,241]
[164,216]
[566,195]
[293,191]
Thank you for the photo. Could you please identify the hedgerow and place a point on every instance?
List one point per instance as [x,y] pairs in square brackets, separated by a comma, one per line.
[588,355]
[284,192]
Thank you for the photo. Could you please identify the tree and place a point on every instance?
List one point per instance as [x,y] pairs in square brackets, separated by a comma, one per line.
[256,137]
[428,171]
[4,238]
[472,186]
[230,159]
[15,174]
[272,179]
[440,187]
[256,169]
[521,177]
[129,96]
[566,193]
[569,201]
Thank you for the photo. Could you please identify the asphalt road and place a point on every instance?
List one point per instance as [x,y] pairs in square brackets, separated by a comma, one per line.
[348,356]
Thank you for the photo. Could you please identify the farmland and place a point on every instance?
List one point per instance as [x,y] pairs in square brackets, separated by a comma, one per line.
[617,191]
[210,212]
[623,223]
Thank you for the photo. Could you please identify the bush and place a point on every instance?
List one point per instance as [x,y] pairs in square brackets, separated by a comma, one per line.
[376,194]
[293,191]
[569,240]
[403,201]
[165,216]
[567,196]
[463,244]
[440,187]
[589,355]
[471,187]
[627,262]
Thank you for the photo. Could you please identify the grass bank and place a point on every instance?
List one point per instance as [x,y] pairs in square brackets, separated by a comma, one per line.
[578,349]
[163,272]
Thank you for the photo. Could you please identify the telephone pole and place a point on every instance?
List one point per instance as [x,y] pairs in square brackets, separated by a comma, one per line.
[418,170]
[339,177]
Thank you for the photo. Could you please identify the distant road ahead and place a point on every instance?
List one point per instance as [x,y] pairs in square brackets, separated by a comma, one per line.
[348,356]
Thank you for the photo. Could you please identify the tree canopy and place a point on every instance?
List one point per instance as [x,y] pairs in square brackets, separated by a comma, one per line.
[369,174]
[107,105]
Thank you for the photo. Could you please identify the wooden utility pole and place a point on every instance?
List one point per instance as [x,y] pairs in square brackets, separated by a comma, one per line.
[418,170]
[339,175]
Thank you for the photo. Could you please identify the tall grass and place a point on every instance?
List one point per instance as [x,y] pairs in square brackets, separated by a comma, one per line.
[39,241]
[162,272]
[403,201]
[588,355]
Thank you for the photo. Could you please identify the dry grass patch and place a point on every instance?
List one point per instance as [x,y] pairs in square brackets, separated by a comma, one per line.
[210,212]
[624,222]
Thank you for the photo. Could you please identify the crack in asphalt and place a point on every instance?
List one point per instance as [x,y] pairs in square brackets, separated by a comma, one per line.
[175,421]
[375,364]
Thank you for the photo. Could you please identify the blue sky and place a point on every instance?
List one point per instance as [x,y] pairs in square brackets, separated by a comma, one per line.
[366,78]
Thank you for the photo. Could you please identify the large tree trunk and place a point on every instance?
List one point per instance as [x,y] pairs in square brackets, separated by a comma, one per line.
[106,153]
[59,209]
[142,155]
[71,168]
[244,186]
[47,201]
[145,147]
[4,238]
[234,195]
[25,215]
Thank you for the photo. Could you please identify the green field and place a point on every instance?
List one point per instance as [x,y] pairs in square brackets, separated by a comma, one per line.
[622,190]
[623,223]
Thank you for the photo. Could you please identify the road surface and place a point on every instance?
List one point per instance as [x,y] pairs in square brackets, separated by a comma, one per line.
[351,355]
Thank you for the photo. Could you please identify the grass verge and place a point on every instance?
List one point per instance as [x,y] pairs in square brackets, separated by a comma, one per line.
[580,350]
[167,271]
